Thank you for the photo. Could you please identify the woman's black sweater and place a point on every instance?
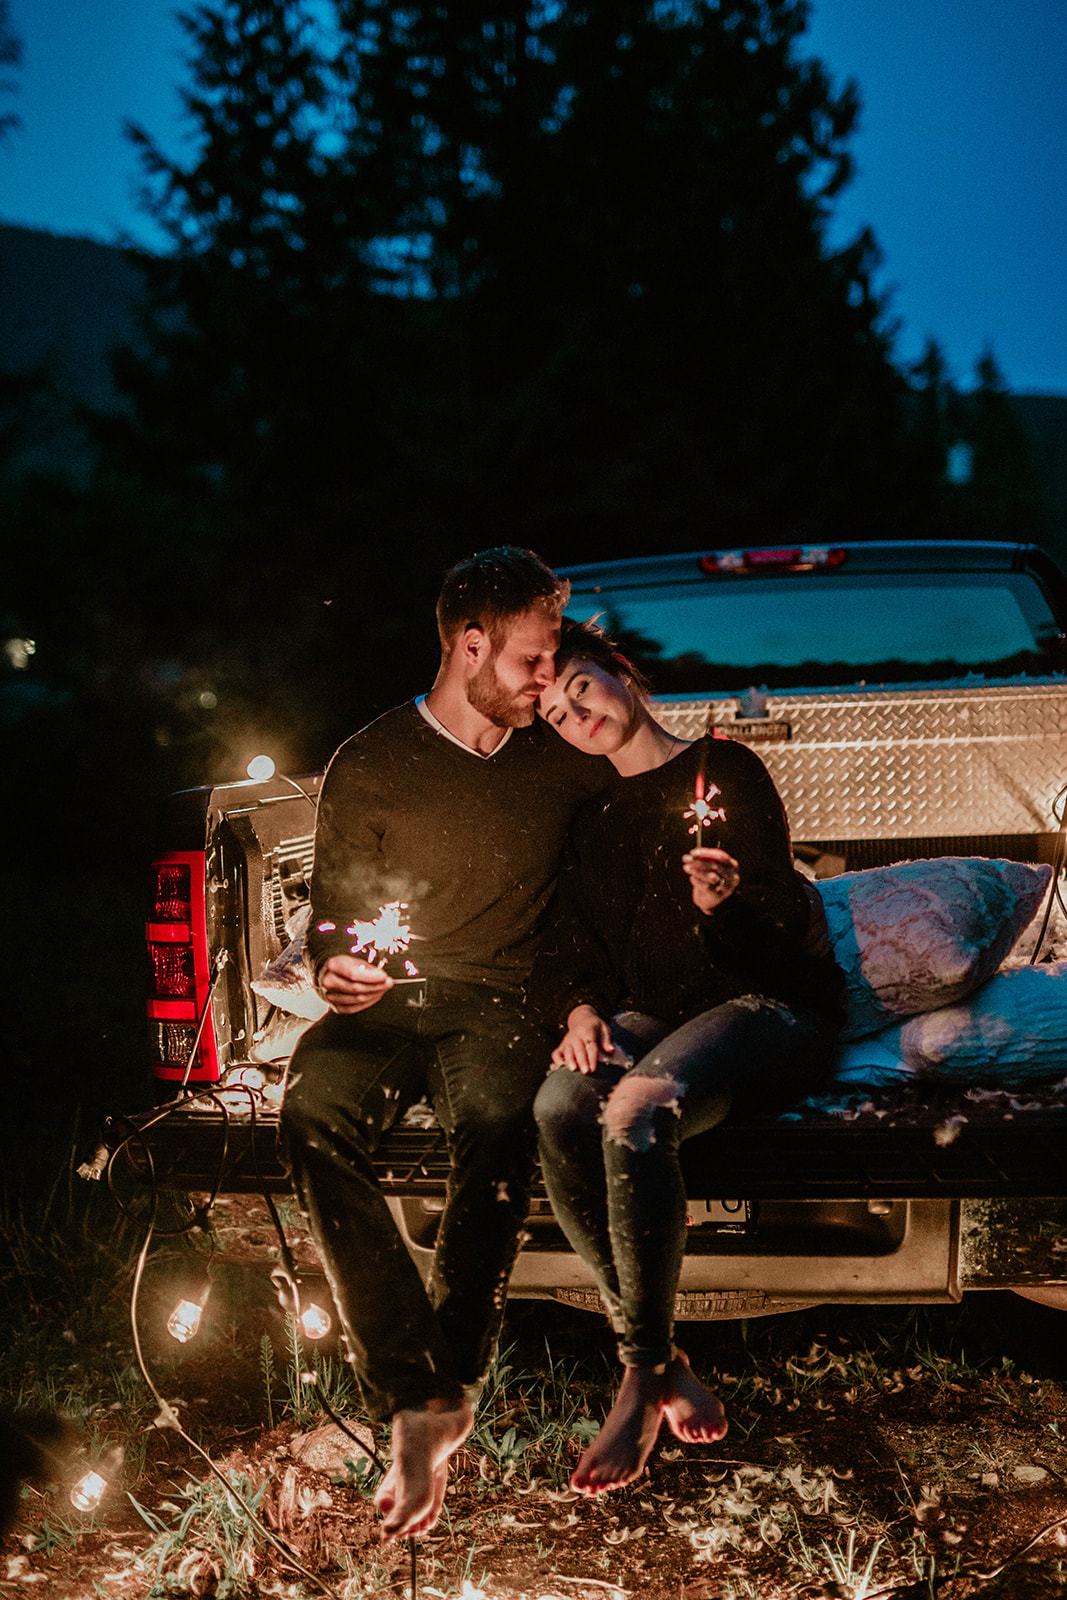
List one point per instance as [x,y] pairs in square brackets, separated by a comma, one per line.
[624,933]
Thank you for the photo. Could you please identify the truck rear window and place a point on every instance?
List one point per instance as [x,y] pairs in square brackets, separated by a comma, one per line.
[825,630]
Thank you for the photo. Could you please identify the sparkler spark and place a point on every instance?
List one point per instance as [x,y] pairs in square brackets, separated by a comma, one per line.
[702,811]
[387,934]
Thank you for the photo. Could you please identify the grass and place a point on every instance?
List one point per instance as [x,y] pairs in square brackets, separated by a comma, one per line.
[528,1422]
[779,1513]
[212,1540]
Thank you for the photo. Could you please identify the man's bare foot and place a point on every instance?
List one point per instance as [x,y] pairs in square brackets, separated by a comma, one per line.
[411,1494]
[693,1413]
[618,1453]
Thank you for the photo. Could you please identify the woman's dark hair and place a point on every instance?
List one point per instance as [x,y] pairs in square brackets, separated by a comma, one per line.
[587,641]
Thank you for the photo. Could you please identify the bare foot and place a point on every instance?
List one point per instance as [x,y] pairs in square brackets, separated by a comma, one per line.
[693,1413]
[618,1453]
[411,1494]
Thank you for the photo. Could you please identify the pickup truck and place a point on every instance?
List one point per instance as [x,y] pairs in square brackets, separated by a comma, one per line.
[910,702]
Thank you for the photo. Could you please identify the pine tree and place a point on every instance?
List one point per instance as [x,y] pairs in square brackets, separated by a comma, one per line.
[625,205]
[446,275]
[258,426]
[10,56]
[1001,500]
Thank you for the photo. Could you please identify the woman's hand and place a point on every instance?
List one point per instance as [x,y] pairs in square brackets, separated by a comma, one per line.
[713,875]
[586,1038]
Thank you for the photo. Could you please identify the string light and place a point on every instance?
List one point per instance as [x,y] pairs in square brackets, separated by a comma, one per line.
[91,1487]
[88,1492]
[183,1323]
[315,1322]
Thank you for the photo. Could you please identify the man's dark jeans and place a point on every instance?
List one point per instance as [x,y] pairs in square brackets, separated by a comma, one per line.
[480,1061]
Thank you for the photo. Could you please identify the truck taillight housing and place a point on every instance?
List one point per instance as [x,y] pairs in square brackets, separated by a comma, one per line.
[179,971]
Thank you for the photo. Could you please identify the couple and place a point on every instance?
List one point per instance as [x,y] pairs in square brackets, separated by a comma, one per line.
[684,980]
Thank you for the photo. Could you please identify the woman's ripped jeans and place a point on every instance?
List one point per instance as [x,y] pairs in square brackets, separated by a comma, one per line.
[610,1140]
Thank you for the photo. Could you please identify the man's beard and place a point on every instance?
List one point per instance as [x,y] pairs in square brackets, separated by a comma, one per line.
[498,705]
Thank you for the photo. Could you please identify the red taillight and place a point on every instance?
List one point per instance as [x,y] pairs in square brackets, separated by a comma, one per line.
[171,1044]
[172,900]
[171,974]
[179,973]
[788,558]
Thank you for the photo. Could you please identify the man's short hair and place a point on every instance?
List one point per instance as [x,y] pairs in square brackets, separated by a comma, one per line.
[491,589]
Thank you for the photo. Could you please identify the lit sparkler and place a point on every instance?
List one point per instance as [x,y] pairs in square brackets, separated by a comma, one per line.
[387,934]
[702,811]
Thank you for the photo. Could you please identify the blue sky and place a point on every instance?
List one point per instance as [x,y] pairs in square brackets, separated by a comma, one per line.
[961,154]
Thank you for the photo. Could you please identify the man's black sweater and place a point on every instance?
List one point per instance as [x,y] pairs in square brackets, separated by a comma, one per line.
[470,844]
[625,933]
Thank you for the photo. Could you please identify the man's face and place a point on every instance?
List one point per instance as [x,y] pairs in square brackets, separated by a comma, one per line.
[506,687]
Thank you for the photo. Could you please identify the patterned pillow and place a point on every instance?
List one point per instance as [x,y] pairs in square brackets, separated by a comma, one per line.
[924,934]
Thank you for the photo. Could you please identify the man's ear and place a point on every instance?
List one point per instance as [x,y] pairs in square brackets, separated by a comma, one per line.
[474,646]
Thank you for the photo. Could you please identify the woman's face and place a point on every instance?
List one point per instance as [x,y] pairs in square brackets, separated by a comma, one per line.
[590,708]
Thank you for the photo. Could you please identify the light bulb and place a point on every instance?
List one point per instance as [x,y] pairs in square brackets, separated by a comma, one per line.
[88,1492]
[315,1322]
[184,1321]
[260,768]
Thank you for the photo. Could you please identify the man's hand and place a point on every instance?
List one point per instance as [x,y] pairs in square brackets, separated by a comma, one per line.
[586,1038]
[713,875]
[348,985]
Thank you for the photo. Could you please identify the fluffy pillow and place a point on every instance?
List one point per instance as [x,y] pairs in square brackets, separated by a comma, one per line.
[924,934]
[1013,1029]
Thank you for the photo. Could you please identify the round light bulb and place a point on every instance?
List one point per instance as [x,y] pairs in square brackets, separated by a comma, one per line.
[315,1322]
[261,768]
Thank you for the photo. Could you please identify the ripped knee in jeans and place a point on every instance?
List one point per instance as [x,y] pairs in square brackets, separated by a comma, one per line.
[632,1105]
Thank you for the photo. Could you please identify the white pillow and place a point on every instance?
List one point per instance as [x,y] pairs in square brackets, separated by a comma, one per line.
[286,981]
[924,934]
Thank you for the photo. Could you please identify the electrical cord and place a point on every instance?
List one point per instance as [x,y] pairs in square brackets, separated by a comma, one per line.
[984,1575]
[1059,856]
[285,1278]
[220,961]
[169,1418]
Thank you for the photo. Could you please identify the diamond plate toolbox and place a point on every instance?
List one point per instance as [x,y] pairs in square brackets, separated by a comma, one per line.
[905,762]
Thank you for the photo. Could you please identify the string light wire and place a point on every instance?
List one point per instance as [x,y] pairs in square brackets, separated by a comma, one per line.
[167,1415]
[285,1277]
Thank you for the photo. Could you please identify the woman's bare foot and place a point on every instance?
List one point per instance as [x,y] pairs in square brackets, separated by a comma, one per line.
[618,1453]
[411,1494]
[693,1413]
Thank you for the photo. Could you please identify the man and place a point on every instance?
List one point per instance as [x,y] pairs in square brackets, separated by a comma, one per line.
[457,806]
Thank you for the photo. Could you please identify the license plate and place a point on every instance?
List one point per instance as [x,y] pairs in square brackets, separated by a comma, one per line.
[722,1216]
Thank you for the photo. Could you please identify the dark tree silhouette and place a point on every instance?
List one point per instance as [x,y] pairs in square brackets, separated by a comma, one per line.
[624,208]
[443,276]
[10,56]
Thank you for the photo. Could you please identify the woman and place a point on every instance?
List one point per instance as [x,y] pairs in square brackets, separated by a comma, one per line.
[672,1016]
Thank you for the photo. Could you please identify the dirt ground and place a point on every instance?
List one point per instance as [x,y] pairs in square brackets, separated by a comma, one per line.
[871,1451]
